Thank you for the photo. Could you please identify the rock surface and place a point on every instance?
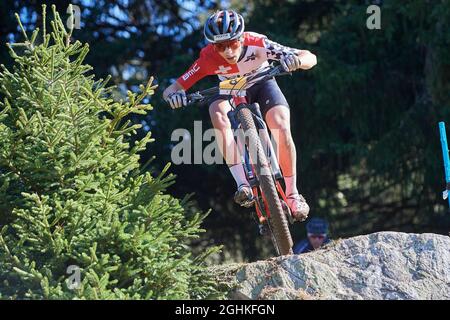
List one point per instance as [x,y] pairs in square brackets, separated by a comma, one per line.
[384,265]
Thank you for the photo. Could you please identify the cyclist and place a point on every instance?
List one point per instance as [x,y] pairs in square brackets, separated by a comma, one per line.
[232,52]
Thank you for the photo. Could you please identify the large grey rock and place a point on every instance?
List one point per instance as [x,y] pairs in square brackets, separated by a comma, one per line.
[384,265]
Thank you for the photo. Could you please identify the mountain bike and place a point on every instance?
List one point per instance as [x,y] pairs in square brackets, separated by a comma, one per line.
[259,159]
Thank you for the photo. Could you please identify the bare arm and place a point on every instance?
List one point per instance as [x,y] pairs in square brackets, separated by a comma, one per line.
[307,58]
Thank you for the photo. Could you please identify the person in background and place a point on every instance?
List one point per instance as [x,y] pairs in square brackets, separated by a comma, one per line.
[317,232]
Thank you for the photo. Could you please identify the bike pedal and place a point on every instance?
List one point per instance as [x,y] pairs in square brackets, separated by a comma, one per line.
[247,204]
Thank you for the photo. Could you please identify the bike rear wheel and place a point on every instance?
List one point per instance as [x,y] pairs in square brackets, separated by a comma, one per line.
[278,224]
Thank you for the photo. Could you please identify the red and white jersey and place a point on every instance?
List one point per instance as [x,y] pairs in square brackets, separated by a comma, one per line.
[256,52]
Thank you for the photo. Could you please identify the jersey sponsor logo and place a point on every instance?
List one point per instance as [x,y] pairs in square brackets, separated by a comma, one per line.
[221,37]
[194,69]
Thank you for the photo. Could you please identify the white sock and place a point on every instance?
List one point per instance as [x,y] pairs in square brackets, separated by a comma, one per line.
[291,185]
[238,173]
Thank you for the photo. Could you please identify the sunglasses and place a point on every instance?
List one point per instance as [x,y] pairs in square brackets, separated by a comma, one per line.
[233,44]
[317,236]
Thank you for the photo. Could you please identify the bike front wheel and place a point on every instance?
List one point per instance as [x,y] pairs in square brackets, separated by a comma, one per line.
[278,224]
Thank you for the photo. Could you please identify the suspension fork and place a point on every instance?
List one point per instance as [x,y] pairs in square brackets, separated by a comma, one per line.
[263,133]
[240,142]
[267,144]
[268,148]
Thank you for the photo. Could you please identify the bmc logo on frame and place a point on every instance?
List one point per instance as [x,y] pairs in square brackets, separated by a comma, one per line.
[190,72]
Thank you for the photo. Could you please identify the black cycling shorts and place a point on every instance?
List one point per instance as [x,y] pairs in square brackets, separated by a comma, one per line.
[267,94]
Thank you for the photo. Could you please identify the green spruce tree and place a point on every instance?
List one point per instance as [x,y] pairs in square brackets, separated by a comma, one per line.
[79,217]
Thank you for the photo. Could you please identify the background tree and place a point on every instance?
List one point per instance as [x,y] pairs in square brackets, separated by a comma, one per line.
[72,191]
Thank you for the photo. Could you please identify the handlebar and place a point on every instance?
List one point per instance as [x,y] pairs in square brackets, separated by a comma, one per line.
[269,72]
